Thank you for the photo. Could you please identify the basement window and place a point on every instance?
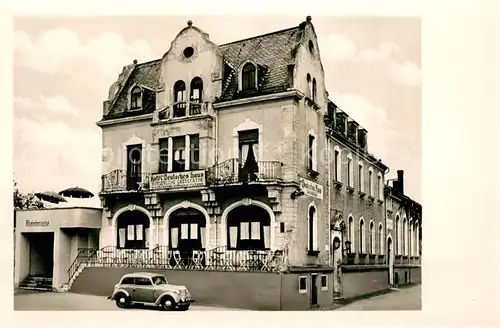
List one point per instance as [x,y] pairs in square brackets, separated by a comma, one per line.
[324,283]
[302,284]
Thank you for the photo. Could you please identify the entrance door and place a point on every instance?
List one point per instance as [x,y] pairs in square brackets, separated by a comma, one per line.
[134,156]
[41,255]
[314,289]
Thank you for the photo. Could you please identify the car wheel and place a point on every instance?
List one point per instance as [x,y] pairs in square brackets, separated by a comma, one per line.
[122,301]
[167,303]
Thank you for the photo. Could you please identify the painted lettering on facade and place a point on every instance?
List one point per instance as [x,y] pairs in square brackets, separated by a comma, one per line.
[178,180]
[34,223]
[311,188]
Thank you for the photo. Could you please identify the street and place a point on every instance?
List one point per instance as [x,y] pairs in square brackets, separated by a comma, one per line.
[405,299]
[401,299]
[48,301]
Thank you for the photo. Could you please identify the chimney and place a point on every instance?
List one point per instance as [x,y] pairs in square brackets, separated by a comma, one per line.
[401,182]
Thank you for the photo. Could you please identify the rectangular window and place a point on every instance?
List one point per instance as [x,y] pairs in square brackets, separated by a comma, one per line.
[121,237]
[370,181]
[130,232]
[336,161]
[349,169]
[194,158]
[163,158]
[244,230]
[324,283]
[255,230]
[184,231]
[303,284]
[179,158]
[282,227]
[380,188]
[360,178]
[311,153]
[194,230]
[138,231]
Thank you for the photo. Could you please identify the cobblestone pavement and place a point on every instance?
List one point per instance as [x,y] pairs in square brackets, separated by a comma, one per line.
[48,301]
[405,299]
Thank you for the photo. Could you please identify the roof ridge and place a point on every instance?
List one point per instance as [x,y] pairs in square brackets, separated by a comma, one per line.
[259,36]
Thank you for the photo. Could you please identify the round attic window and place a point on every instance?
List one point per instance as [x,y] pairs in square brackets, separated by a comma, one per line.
[188,52]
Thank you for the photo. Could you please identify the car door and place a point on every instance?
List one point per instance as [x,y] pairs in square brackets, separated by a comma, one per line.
[143,290]
[128,285]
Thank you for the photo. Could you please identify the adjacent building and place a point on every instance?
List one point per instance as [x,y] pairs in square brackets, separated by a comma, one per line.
[224,156]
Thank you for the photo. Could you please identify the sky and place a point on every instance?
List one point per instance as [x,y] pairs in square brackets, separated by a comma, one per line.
[63,69]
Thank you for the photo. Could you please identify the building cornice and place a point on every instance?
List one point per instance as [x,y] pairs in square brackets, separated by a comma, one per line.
[121,120]
[251,100]
[365,155]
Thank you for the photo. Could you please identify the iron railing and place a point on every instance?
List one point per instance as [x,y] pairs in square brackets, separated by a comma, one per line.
[218,259]
[83,256]
[119,180]
[232,171]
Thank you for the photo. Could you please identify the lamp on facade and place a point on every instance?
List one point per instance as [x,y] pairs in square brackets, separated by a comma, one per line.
[296,194]
[347,245]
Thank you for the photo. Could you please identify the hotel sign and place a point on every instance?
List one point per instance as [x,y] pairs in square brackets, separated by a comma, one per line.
[36,223]
[311,188]
[178,180]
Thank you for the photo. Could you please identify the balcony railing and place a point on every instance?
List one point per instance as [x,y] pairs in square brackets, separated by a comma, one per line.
[119,180]
[231,171]
[219,258]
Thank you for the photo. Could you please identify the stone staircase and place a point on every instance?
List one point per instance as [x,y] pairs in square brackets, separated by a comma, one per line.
[36,283]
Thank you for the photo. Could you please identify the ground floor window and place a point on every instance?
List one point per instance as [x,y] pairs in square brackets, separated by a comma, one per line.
[133,230]
[248,228]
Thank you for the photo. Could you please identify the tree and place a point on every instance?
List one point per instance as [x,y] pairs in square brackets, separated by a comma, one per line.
[25,201]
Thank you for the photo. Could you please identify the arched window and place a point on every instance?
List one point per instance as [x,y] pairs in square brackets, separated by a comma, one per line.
[195,98]
[248,77]
[309,85]
[179,99]
[372,238]
[248,227]
[136,98]
[381,239]
[132,230]
[314,90]
[350,232]
[405,237]
[362,236]
[312,224]
[398,237]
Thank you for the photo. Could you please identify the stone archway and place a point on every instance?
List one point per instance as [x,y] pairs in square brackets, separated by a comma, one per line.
[195,213]
[141,225]
[268,221]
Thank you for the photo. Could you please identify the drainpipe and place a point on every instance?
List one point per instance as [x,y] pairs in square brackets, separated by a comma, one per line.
[329,203]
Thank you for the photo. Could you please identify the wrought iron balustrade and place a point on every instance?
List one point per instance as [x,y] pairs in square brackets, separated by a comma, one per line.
[119,180]
[219,259]
[231,171]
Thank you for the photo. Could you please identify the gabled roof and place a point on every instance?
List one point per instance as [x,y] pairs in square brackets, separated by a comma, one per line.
[272,52]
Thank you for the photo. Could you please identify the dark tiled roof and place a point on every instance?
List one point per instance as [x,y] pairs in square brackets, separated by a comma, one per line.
[272,52]
[145,74]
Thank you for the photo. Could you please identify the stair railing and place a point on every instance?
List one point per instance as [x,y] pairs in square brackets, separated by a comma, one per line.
[83,256]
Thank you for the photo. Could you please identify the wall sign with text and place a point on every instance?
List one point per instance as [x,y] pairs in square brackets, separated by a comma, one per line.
[178,180]
[311,188]
[37,223]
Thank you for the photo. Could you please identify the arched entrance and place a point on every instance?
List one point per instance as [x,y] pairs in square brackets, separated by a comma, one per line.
[132,230]
[186,230]
[390,260]
[248,228]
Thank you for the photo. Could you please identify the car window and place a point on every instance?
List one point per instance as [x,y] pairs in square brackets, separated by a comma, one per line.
[159,280]
[143,281]
[127,281]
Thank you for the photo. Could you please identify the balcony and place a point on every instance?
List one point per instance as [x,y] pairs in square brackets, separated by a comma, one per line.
[184,109]
[232,172]
[119,181]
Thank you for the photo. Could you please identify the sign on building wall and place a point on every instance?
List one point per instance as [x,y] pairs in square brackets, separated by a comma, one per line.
[389,224]
[311,188]
[178,180]
[37,223]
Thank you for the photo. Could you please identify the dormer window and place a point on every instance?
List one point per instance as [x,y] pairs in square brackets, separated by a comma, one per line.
[248,77]
[179,99]
[136,98]
[195,98]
